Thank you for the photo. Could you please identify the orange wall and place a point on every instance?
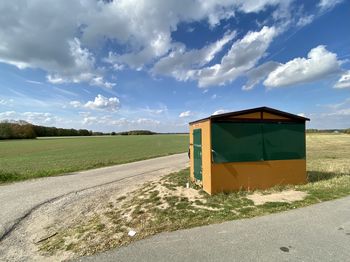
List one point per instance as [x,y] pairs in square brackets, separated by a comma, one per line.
[251,115]
[273,116]
[206,153]
[256,175]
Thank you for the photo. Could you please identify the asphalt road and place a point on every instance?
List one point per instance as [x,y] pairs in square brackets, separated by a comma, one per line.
[316,233]
[18,200]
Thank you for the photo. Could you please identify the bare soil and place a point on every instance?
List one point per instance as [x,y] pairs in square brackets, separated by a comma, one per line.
[287,196]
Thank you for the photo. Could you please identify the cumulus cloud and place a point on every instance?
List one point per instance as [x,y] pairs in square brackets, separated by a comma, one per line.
[83,69]
[242,56]
[319,64]
[42,35]
[186,114]
[344,81]
[147,28]
[100,103]
[65,42]
[180,61]
[7,114]
[39,118]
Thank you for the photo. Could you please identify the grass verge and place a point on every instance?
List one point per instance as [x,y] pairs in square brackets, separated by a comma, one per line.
[166,205]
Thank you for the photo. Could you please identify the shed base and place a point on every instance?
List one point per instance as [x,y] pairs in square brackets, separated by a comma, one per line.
[237,176]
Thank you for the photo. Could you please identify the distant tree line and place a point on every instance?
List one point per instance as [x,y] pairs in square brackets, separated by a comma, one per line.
[54,131]
[313,130]
[135,132]
[24,130]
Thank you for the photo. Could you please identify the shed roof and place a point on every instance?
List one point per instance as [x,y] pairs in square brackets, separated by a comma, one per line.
[254,110]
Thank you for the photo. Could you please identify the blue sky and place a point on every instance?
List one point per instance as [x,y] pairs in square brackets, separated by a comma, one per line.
[131,64]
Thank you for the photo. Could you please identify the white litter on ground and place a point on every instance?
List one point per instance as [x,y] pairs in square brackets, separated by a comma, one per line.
[132,233]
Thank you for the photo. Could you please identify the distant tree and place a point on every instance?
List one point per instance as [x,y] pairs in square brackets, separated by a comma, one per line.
[83,132]
[113,133]
[5,131]
[16,131]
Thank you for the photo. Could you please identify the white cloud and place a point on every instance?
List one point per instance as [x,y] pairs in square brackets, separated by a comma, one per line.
[328,4]
[179,61]
[243,55]
[6,102]
[7,115]
[186,114]
[156,111]
[34,82]
[75,104]
[147,25]
[345,103]
[319,64]
[120,122]
[257,74]
[147,121]
[42,35]
[38,118]
[305,20]
[220,111]
[341,112]
[337,115]
[99,103]
[65,41]
[344,81]
[83,69]
[98,81]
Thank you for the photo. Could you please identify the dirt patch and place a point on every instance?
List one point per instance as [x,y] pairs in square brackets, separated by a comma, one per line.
[287,196]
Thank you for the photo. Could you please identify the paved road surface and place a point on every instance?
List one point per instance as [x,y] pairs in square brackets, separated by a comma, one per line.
[317,233]
[19,199]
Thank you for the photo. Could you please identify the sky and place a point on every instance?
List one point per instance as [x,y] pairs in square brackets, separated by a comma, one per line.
[157,65]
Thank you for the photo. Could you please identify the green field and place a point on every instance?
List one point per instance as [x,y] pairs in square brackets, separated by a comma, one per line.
[25,159]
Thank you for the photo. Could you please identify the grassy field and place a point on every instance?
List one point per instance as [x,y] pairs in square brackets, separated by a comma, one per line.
[25,159]
[166,205]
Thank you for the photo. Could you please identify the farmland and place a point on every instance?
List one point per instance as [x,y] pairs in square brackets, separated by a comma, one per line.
[26,159]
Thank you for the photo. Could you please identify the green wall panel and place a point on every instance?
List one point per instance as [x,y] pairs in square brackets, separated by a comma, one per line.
[236,142]
[244,142]
[197,153]
[284,141]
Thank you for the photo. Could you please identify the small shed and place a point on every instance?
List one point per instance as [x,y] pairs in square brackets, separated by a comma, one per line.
[250,149]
